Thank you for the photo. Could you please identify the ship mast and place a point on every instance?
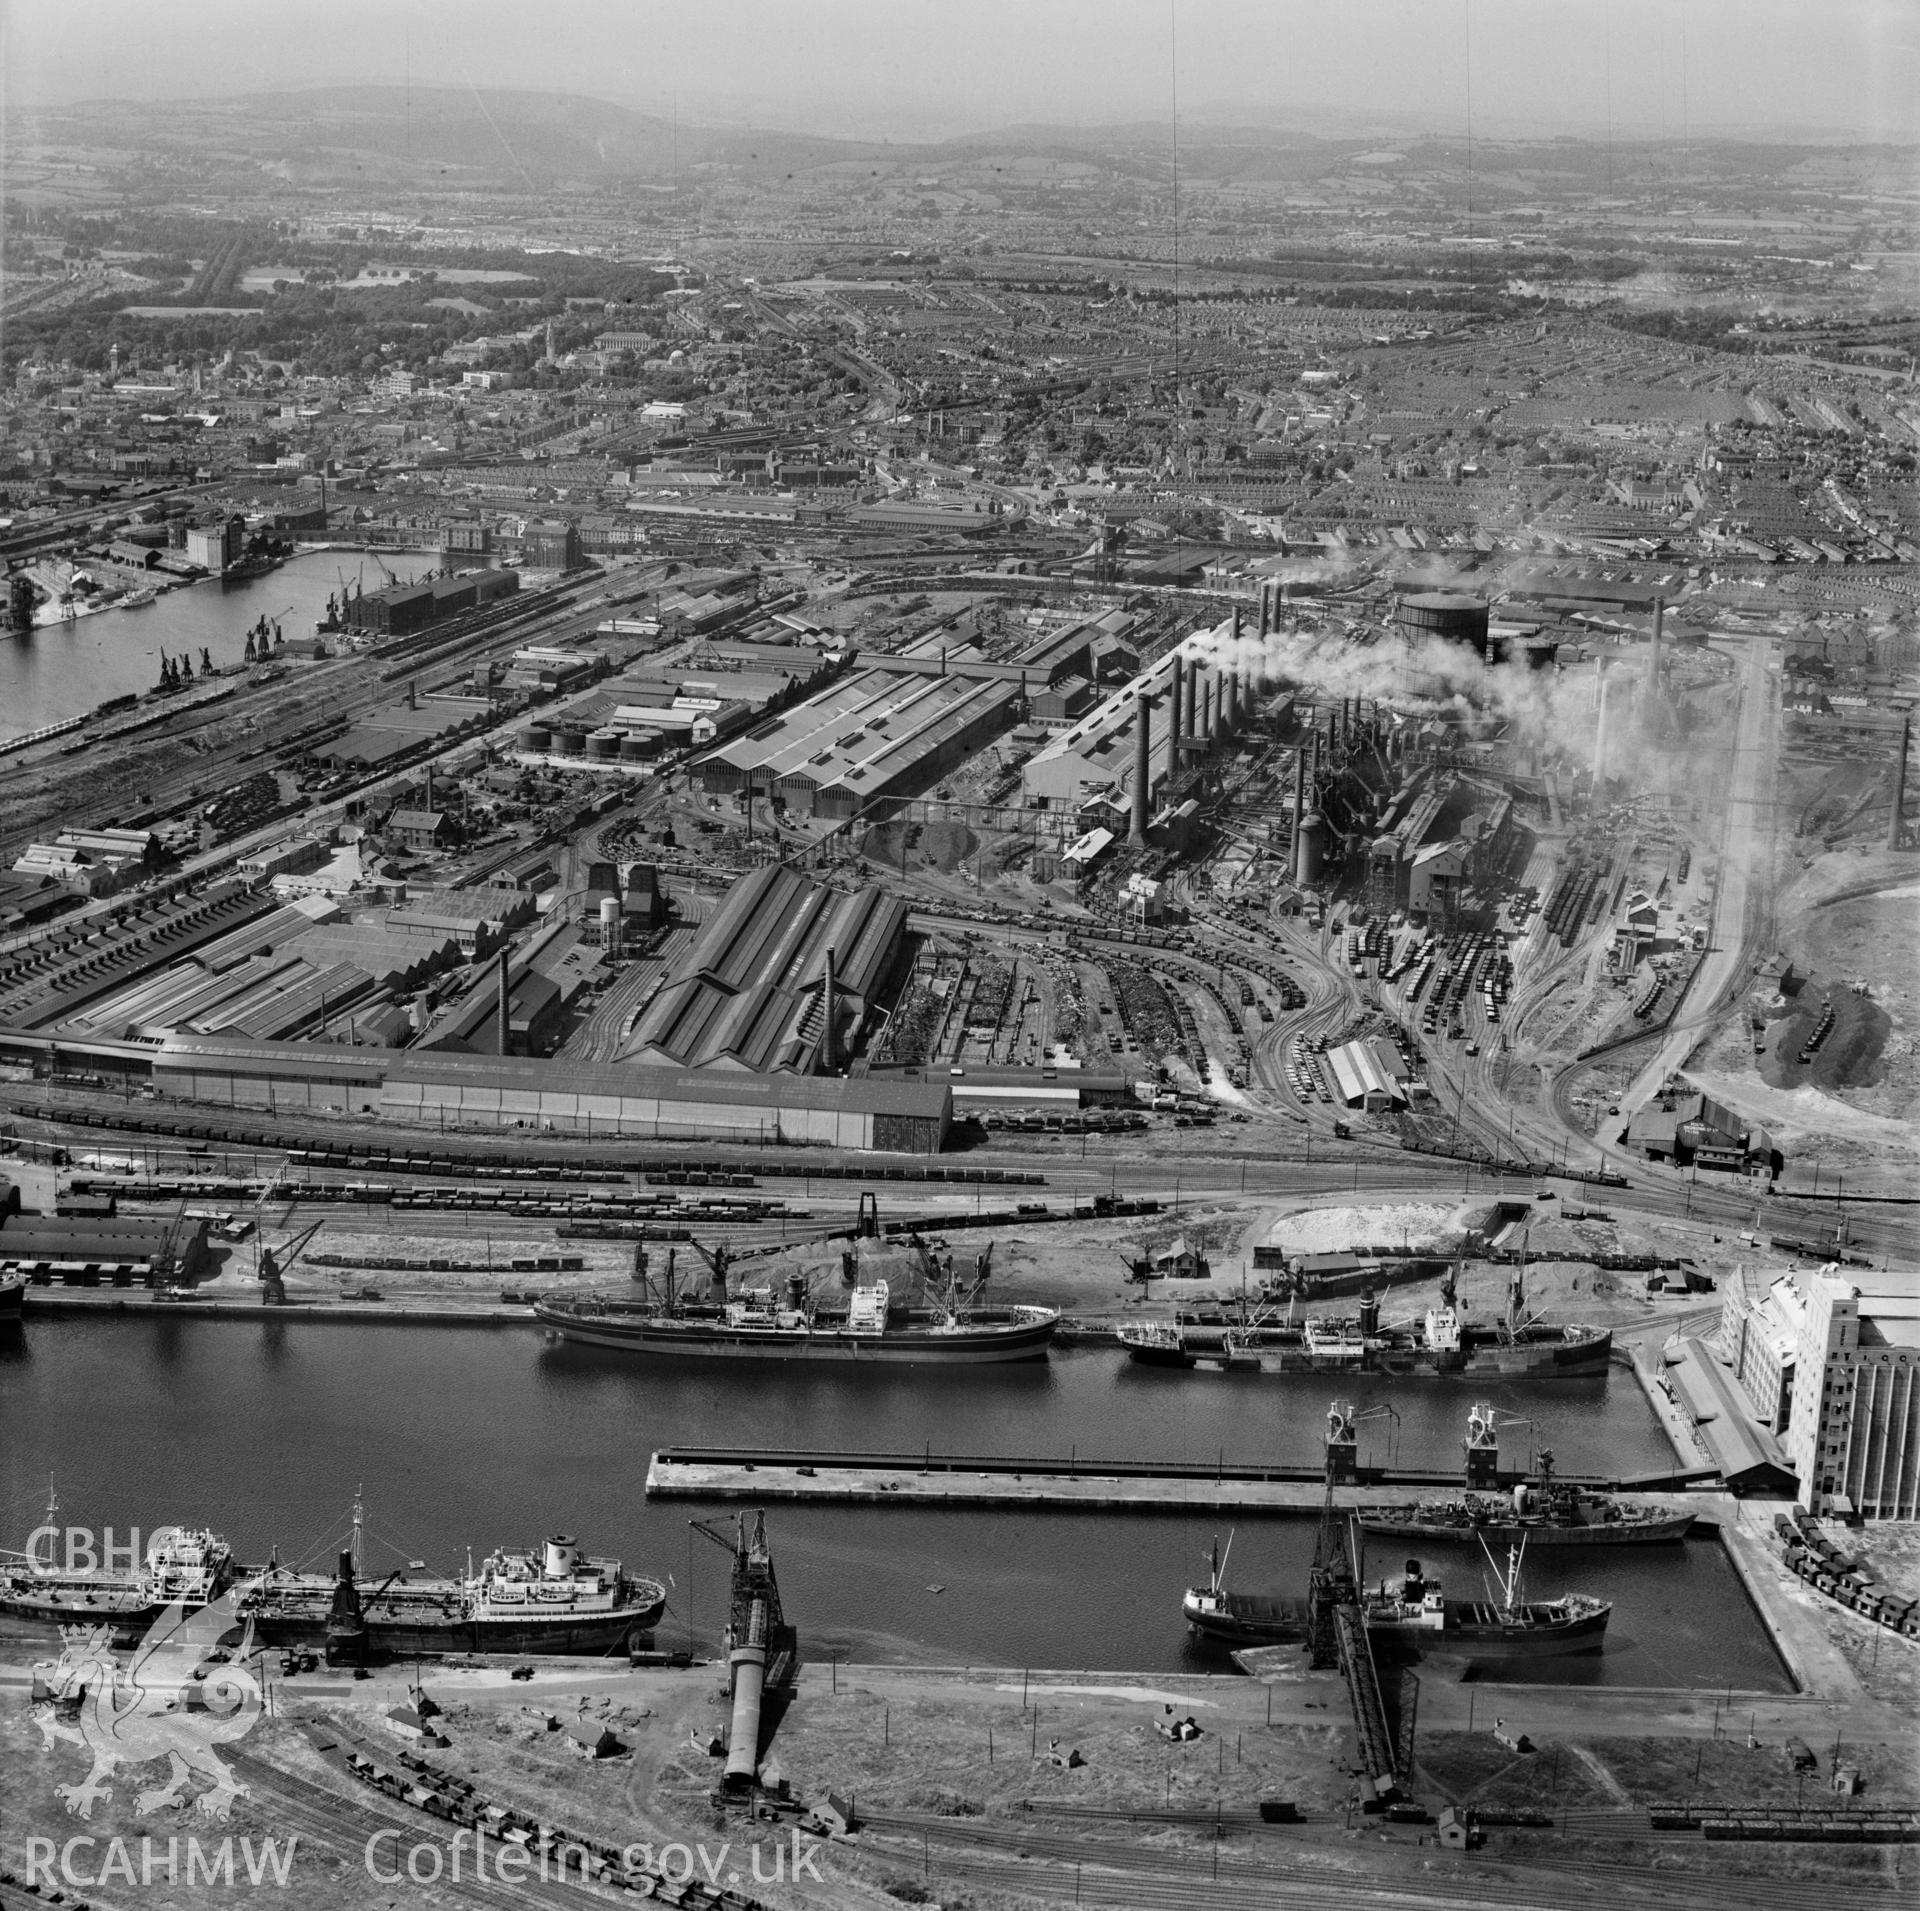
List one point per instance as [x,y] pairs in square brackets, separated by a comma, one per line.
[359,1520]
[52,1520]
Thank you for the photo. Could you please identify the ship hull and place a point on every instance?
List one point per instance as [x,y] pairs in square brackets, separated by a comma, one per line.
[1544,1360]
[303,1622]
[1486,1638]
[13,1296]
[662,1339]
[1514,1533]
[130,1622]
[1248,1621]
[582,1637]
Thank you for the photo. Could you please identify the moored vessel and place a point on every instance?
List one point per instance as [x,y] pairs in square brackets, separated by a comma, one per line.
[188,1566]
[1412,1614]
[1505,1512]
[1241,1619]
[1443,1341]
[552,1598]
[763,1324]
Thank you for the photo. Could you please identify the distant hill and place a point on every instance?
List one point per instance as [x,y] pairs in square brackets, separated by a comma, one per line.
[540,141]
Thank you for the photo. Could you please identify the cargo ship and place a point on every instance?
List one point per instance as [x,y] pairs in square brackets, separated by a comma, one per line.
[191,1567]
[13,1293]
[1442,1342]
[1241,1619]
[1412,1615]
[871,1327]
[1544,1510]
[550,1599]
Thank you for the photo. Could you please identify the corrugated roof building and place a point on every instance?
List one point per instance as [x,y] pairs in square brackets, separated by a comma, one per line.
[748,991]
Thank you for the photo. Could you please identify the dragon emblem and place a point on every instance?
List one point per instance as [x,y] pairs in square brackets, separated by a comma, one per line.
[155,1708]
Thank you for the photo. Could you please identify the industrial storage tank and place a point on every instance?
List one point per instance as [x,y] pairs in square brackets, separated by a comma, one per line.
[570,740]
[537,737]
[633,749]
[1310,852]
[1448,614]
[610,922]
[604,745]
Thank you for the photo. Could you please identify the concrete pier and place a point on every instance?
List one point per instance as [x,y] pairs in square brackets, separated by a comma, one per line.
[1017,1485]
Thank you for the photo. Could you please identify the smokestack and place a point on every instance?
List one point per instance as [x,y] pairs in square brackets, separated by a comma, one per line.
[1142,757]
[1600,735]
[1236,623]
[829,1059]
[1213,704]
[1174,732]
[1230,700]
[1653,661]
[1899,786]
[1266,610]
[502,1019]
[1299,791]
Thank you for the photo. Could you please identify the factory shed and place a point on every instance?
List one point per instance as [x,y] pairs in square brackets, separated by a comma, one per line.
[81,1249]
[869,737]
[1096,756]
[749,991]
[666,1103]
[976,1087]
[1367,1074]
[1747,1455]
[238,1072]
[1694,1128]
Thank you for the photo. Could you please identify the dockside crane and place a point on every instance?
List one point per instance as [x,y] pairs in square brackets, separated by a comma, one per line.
[274,1271]
[763,1649]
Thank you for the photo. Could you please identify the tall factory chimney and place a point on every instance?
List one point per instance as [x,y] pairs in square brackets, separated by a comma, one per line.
[1600,734]
[1899,786]
[1236,623]
[1299,789]
[1175,733]
[1142,758]
[829,1001]
[502,1017]
[1653,658]
[1212,704]
[1266,613]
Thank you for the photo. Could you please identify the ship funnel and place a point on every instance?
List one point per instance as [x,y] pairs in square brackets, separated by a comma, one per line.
[563,1553]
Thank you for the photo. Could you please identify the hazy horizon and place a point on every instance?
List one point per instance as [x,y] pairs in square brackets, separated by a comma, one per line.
[1838,70]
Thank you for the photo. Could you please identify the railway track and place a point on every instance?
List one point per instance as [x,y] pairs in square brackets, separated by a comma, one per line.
[1122,1873]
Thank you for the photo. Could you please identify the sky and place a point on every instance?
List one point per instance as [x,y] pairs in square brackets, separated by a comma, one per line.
[905,69]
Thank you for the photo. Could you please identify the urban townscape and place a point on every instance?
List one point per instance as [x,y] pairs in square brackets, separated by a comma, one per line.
[1044,868]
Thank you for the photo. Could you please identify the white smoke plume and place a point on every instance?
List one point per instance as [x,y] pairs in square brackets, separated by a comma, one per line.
[1549,710]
